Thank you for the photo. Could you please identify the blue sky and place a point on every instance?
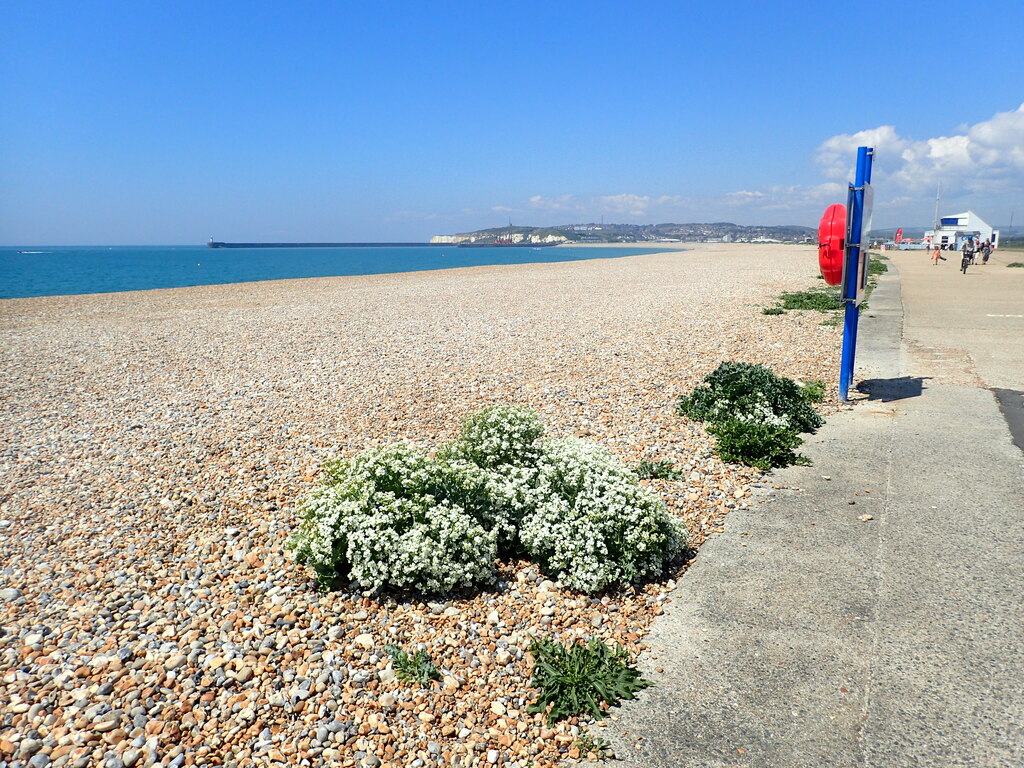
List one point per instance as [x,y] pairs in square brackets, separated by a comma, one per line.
[159,122]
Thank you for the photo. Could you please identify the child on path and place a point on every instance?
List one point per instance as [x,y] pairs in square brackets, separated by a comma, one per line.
[935,255]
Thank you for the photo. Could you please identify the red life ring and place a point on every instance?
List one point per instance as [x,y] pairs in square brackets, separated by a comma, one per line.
[832,243]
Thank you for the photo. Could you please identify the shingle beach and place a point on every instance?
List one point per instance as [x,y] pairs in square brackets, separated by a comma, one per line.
[154,445]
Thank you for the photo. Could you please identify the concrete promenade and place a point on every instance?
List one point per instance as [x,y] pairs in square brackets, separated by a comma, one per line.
[870,613]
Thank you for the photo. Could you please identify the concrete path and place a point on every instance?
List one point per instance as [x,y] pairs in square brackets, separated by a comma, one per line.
[804,636]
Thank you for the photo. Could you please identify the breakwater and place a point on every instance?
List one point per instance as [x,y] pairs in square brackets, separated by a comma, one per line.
[219,244]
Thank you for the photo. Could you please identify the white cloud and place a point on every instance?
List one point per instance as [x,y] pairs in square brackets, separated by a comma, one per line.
[672,201]
[501,208]
[559,203]
[795,197]
[836,156]
[633,205]
[981,165]
[987,154]
[745,196]
[625,204]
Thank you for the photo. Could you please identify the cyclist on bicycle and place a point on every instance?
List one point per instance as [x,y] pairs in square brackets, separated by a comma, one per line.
[968,253]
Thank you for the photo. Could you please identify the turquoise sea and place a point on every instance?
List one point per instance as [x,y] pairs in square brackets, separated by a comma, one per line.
[62,270]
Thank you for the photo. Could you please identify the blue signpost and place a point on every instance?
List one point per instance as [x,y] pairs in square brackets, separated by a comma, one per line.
[855,265]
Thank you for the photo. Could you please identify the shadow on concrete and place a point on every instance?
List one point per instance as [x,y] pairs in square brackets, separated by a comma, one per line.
[1011,403]
[888,390]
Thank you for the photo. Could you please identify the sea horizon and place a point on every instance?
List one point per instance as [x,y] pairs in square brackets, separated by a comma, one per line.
[33,271]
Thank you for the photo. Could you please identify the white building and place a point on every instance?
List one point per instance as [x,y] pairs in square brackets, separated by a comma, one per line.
[953,230]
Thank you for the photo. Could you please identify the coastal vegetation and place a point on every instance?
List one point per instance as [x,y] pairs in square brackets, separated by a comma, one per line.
[828,298]
[418,668]
[755,415]
[590,746]
[657,470]
[825,299]
[399,517]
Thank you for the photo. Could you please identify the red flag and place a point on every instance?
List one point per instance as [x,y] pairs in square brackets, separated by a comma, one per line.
[899,234]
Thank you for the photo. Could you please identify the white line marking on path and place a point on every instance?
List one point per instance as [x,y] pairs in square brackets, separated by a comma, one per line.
[1004,315]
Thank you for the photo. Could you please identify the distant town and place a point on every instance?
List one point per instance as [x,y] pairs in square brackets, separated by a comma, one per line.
[719,232]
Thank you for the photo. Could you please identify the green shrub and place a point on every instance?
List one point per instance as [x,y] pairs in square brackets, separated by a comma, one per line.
[594,525]
[757,444]
[750,392]
[418,668]
[588,743]
[754,414]
[877,266]
[491,468]
[656,470]
[820,300]
[813,391]
[773,311]
[576,679]
[1016,264]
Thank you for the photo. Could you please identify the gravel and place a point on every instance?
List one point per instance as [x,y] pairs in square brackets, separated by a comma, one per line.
[154,445]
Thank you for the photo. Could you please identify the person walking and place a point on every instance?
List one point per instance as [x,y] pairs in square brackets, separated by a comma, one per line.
[935,255]
[986,251]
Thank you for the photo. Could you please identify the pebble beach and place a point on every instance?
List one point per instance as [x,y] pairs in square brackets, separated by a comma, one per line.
[154,445]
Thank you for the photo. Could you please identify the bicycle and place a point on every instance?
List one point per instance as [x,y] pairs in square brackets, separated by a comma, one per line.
[964,262]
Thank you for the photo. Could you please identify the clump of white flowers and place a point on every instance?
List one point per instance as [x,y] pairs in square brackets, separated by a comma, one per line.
[594,525]
[501,435]
[501,444]
[391,517]
[399,517]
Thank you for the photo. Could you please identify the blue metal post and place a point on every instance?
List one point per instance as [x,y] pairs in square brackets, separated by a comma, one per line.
[851,270]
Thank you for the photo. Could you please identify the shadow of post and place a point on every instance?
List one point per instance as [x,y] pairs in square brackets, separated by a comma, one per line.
[888,390]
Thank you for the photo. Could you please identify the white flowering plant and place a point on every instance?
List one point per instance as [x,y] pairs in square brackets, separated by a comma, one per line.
[382,519]
[594,525]
[498,436]
[501,444]
[399,517]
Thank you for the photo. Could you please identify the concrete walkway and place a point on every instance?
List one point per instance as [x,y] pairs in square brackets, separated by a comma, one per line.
[804,636]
